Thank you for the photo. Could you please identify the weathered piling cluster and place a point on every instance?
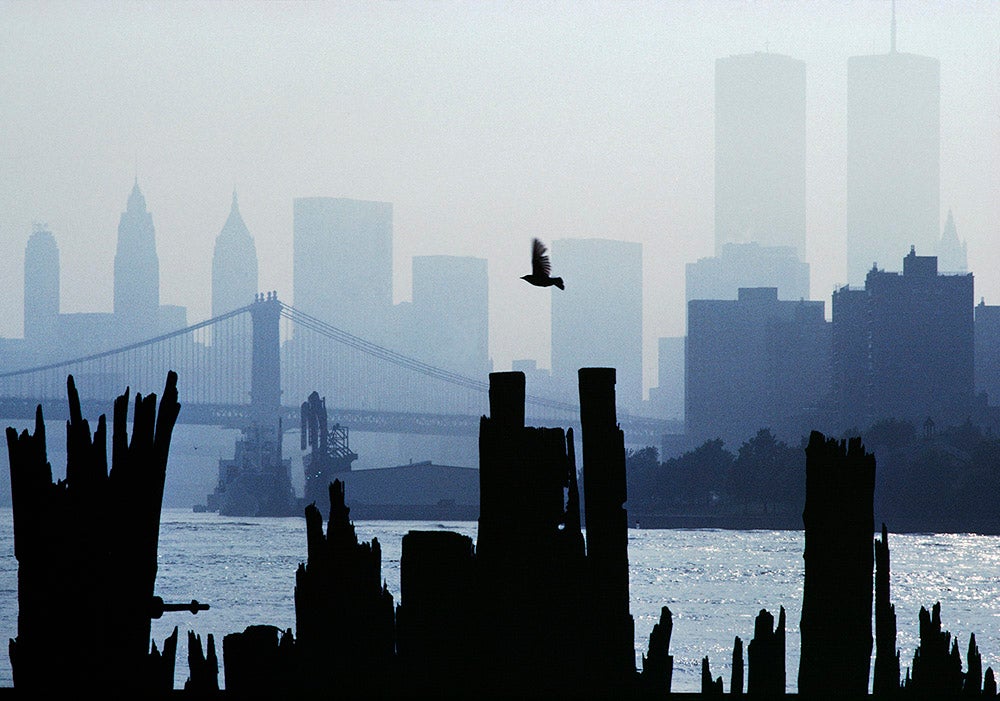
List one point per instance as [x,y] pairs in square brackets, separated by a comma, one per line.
[538,607]
[533,609]
[86,551]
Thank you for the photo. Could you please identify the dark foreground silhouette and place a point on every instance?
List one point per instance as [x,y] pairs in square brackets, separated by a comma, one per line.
[538,607]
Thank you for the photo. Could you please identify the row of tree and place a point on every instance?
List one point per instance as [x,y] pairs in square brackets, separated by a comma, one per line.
[948,478]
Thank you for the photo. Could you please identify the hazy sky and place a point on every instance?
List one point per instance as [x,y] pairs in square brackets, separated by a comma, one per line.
[484,123]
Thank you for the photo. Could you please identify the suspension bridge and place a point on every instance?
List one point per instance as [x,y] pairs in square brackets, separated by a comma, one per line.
[263,360]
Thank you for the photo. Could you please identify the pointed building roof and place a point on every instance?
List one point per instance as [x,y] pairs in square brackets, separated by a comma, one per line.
[235,226]
[234,264]
[949,228]
[952,252]
[136,201]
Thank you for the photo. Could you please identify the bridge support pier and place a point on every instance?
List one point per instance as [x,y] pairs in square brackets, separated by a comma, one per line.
[265,372]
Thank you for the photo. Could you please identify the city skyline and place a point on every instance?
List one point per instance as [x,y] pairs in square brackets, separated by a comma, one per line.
[483,126]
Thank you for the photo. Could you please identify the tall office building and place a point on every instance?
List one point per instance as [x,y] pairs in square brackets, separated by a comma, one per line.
[987,351]
[893,158]
[760,180]
[234,265]
[449,324]
[342,263]
[597,319]
[41,291]
[740,265]
[906,346]
[760,151]
[667,398]
[754,362]
[137,272]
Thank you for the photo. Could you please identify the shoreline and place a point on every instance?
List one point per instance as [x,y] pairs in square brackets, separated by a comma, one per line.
[790,522]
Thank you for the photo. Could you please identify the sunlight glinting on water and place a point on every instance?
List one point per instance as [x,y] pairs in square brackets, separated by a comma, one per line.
[714,582]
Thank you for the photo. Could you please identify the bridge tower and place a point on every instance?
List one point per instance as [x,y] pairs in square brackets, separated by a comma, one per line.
[265,370]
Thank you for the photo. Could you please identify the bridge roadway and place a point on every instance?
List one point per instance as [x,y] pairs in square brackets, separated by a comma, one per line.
[638,431]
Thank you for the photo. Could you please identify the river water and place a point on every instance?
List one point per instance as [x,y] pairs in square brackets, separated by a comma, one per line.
[714,581]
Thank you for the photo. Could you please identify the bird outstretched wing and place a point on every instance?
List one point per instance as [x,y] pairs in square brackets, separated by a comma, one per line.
[540,265]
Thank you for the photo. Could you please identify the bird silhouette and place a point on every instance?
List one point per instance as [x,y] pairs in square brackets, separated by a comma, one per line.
[540,268]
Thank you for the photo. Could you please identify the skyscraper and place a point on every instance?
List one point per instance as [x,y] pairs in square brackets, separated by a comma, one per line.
[740,265]
[760,180]
[667,398]
[906,344]
[597,319]
[41,290]
[754,362]
[450,314]
[234,265]
[137,272]
[987,351]
[760,151]
[342,263]
[893,158]
[952,252]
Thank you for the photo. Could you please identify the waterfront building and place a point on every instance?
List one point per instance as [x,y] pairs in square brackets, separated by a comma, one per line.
[849,357]
[908,342]
[754,362]
[987,351]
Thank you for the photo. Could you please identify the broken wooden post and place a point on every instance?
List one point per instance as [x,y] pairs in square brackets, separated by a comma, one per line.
[885,679]
[838,519]
[92,536]
[736,684]
[710,688]
[658,664]
[766,656]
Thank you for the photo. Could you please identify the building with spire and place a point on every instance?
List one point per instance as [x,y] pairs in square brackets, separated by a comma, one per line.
[41,291]
[234,265]
[137,272]
[893,157]
[234,285]
[952,252]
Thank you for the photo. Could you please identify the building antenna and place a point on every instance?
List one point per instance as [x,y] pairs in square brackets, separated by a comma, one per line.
[892,40]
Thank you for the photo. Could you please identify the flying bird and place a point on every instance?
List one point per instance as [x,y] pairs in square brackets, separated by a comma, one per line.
[540,268]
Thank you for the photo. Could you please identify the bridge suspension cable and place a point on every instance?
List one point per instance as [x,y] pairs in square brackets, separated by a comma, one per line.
[188,358]
[329,331]
[124,349]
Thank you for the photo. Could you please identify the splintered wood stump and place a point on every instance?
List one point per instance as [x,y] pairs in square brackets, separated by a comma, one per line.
[86,549]
[838,519]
